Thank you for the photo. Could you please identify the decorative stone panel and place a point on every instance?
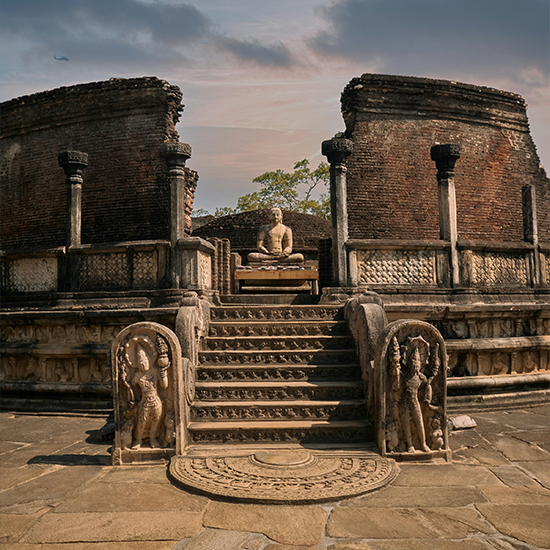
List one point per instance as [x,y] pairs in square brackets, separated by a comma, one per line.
[30,275]
[398,267]
[196,263]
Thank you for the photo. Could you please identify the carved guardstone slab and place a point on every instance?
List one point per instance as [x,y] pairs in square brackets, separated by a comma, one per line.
[146,365]
[284,477]
[411,394]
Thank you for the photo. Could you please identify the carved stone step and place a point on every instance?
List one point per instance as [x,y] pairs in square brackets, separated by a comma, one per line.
[276,313]
[299,431]
[295,357]
[278,328]
[256,372]
[283,391]
[274,410]
[276,343]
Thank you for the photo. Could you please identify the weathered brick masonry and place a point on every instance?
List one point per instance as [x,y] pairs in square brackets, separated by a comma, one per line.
[120,124]
[391,185]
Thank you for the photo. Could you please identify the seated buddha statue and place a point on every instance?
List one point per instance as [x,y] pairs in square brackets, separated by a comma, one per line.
[274,242]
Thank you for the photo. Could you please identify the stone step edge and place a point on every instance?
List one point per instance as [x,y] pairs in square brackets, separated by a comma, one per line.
[274,351]
[233,322]
[293,366]
[279,337]
[238,403]
[327,305]
[268,384]
[277,425]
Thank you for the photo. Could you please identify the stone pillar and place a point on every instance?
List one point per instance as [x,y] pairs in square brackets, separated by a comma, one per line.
[176,154]
[73,163]
[337,151]
[445,157]
[530,229]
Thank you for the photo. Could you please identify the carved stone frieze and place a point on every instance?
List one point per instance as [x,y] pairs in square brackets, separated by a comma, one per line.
[277,313]
[411,366]
[320,357]
[287,393]
[69,334]
[147,388]
[273,343]
[274,435]
[398,267]
[310,411]
[57,370]
[282,477]
[498,362]
[498,326]
[304,372]
[327,328]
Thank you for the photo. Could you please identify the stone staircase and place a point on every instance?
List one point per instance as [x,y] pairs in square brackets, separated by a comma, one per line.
[278,373]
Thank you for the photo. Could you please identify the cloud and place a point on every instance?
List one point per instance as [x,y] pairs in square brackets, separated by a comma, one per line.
[129,33]
[277,55]
[424,37]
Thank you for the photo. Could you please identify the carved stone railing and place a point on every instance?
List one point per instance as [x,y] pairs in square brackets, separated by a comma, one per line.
[153,373]
[377,263]
[140,265]
[125,266]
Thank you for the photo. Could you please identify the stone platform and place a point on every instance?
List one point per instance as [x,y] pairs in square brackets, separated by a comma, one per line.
[58,491]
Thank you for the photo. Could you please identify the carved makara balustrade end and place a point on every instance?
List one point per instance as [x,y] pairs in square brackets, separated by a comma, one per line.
[410,387]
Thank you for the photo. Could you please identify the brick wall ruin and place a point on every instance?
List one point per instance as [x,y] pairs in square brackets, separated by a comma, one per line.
[391,185]
[120,124]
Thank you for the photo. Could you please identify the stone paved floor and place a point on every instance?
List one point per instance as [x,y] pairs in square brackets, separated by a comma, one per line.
[59,492]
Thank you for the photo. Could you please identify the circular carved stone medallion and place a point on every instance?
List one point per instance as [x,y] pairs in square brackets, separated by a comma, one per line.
[284,477]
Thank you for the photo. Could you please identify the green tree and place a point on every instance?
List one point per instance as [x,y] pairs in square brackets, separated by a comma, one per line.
[288,191]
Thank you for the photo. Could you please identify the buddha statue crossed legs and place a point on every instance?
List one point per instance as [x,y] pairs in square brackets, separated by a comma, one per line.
[274,242]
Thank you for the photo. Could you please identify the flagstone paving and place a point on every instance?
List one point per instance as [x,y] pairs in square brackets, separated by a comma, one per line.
[58,491]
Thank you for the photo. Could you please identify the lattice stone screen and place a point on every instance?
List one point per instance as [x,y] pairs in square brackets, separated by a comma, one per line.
[104,271]
[401,267]
[497,268]
[30,275]
[145,269]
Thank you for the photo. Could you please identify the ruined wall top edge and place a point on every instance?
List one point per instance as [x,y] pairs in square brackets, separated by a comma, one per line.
[109,98]
[382,95]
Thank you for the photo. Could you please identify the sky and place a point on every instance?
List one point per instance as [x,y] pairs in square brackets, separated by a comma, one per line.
[262,78]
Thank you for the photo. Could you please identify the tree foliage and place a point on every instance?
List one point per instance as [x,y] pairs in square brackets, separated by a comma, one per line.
[288,191]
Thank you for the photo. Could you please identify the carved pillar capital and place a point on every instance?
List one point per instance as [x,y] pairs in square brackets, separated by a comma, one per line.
[337,149]
[445,157]
[73,163]
[176,154]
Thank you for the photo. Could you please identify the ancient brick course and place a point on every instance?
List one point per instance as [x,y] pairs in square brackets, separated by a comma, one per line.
[120,124]
[392,187]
